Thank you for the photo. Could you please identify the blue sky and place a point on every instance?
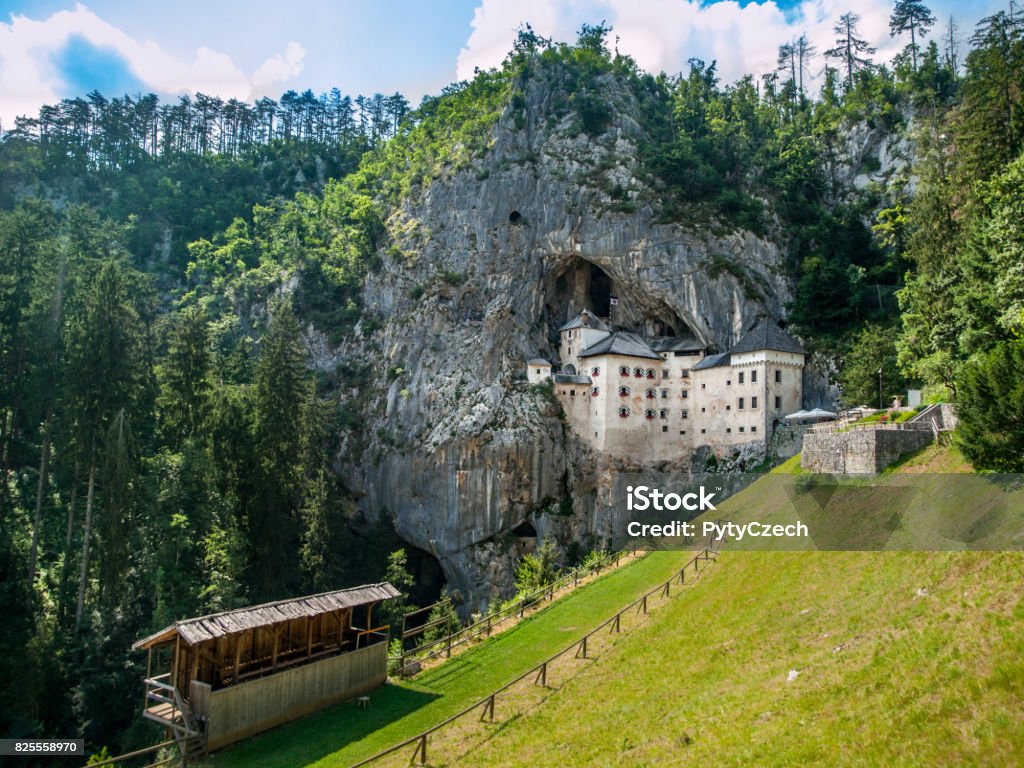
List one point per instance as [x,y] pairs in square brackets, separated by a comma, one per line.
[50,49]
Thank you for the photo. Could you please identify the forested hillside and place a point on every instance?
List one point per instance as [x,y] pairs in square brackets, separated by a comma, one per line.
[169,445]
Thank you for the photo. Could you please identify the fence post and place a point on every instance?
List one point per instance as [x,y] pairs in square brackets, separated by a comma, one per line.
[488,625]
[682,575]
[522,607]
[645,605]
[542,676]
[581,652]
[665,591]
[448,648]
[616,625]
[422,750]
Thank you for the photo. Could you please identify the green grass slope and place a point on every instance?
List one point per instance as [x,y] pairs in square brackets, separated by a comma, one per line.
[343,735]
[796,658]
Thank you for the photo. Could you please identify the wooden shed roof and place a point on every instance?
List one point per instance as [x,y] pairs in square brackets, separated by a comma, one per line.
[216,625]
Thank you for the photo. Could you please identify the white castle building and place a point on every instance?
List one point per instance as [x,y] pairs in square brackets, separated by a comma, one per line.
[656,399]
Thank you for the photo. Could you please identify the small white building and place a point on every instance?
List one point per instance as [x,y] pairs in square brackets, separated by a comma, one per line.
[660,399]
[538,370]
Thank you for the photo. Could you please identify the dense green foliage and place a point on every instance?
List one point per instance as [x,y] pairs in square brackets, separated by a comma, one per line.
[164,447]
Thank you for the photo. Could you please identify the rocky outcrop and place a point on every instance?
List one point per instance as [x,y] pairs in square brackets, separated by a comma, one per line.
[483,265]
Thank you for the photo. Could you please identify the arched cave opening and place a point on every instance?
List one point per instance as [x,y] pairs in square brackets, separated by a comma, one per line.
[428,578]
[580,285]
[515,217]
[526,536]
[584,285]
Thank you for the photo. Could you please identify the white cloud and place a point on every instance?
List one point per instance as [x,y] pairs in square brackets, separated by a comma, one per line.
[28,80]
[663,34]
[494,29]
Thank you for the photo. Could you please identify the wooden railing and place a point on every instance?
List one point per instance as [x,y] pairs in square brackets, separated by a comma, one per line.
[485,625]
[539,672]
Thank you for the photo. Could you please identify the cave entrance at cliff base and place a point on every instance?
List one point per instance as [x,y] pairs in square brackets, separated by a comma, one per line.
[428,578]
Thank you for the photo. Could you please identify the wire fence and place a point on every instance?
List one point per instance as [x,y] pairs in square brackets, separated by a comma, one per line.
[408,661]
[539,672]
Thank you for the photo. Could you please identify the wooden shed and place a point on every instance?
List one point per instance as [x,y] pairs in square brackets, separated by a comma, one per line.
[232,674]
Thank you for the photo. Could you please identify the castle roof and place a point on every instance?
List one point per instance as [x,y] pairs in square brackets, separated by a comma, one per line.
[712,361]
[767,335]
[676,344]
[571,378]
[538,361]
[585,319]
[621,343]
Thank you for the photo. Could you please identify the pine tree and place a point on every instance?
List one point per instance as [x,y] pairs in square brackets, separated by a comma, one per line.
[990,396]
[911,16]
[850,49]
[102,373]
[185,387]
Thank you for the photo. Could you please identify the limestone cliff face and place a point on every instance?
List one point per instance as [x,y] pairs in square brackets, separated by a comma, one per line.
[485,264]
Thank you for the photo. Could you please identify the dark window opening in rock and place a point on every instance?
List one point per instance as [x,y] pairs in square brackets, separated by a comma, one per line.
[428,578]
[600,291]
[515,217]
[526,536]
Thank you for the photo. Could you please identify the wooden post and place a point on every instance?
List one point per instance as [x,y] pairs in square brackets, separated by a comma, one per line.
[149,675]
[309,636]
[175,664]
[645,605]
[277,645]
[448,646]
[667,585]
[422,750]
[369,616]
[575,578]
[488,625]
[615,624]
[238,658]
[542,675]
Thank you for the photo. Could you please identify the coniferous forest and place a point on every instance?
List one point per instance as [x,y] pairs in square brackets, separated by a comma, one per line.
[167,450]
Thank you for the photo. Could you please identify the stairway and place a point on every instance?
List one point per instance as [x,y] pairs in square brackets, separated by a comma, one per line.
[165,706]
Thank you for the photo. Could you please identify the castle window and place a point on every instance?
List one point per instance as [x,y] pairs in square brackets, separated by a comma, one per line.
[686,414]
[778,401]
[741,377]
[624,412]
[663,414]
[623,370]
[739,405]
[638,372]
[728,407]
[595,371]
[728,382]
[685,393]
[778,376]
[741,429]
[595,391]
[664,393]
[682,431]
[684,374]
[703,385]
[650,413]
[623,391]
[753,402]
[753,377]
[650,394]
[664,429]
[753,429]
[651,373]
[664,373]
[703,431]
[703,409]
[728,429]
[572,393]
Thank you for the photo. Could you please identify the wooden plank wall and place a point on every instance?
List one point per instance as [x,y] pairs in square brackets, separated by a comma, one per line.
[242,710]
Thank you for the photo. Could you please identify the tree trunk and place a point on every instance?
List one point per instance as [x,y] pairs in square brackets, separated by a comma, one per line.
[65,570]
[44,466]
[86,535]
